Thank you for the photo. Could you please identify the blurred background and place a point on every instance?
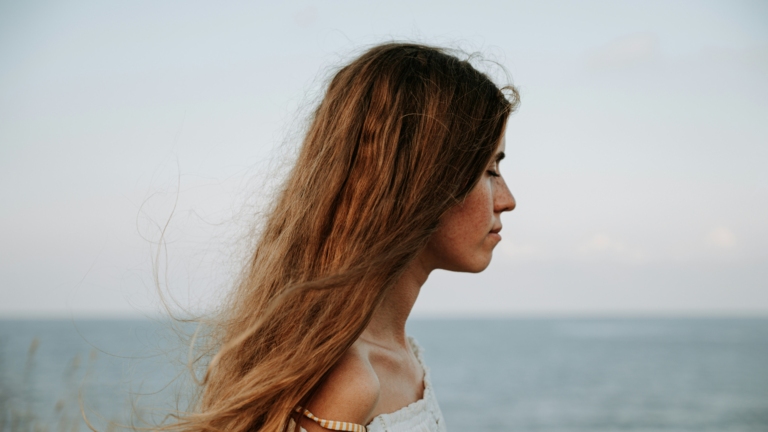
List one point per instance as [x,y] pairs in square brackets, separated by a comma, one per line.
[630,291]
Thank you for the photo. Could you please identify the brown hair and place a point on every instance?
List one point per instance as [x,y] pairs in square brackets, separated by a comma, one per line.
[402,134]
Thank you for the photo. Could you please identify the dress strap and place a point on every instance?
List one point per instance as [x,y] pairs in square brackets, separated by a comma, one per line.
[333,425]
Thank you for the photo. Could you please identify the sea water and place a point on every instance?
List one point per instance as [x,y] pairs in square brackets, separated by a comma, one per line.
[489,375]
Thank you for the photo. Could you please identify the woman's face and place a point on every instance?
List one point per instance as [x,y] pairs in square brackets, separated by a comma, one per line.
[468,233]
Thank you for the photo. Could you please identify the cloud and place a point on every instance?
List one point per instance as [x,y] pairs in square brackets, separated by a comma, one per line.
[513,249]
[601,243]
[305,17]
[721,237]
[601,246]
[625,52]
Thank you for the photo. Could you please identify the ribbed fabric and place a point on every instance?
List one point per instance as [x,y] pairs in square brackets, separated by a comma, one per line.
[423,415]
[334,425]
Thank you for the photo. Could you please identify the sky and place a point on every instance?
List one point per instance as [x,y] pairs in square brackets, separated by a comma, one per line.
[637,157]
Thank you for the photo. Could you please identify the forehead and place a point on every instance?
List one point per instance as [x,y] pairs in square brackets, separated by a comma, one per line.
[502,144]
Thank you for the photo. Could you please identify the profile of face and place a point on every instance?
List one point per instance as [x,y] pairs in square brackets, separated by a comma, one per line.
[469,232]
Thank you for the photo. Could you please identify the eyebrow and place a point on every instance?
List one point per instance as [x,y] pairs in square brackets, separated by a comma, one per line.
[499,156]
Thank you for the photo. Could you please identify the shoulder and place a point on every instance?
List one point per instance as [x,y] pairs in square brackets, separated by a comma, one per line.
[349,393]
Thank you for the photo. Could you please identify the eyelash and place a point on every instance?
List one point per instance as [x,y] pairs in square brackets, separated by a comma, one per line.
[494,173]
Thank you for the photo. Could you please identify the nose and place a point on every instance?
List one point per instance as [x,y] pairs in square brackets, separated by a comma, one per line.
[503,200]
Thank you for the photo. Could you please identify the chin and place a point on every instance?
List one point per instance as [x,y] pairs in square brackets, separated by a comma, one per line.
[480,268]
[476,266]
[465,262]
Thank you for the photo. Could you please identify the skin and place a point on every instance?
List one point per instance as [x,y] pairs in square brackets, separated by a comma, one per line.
[380,373]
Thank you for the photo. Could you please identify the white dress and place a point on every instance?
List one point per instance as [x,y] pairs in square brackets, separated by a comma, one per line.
[423,415]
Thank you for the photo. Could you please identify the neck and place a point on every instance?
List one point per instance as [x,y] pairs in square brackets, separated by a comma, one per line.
[387,326]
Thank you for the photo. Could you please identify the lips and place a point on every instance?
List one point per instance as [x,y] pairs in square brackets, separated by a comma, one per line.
[496,230]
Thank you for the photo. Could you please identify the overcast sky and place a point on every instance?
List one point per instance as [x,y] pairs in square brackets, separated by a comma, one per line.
[638,156]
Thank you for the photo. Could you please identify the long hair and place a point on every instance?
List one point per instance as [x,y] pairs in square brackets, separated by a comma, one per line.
[402,134]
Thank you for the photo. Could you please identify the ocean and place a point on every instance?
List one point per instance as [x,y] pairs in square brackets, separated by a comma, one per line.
[536,374]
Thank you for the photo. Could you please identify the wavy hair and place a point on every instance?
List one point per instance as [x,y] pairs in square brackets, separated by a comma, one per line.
[402,134]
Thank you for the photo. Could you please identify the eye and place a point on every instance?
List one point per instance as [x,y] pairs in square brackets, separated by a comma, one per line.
[493,171]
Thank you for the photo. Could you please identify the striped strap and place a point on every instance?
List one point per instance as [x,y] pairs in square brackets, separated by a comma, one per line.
[334,425]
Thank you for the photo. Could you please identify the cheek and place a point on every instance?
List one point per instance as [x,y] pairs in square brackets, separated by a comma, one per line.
[463,227]
[463,230]
[475,216]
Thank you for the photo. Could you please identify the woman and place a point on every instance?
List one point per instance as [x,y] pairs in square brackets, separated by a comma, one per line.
[397,176]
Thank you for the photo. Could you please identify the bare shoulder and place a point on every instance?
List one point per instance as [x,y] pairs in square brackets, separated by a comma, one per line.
[350,393]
